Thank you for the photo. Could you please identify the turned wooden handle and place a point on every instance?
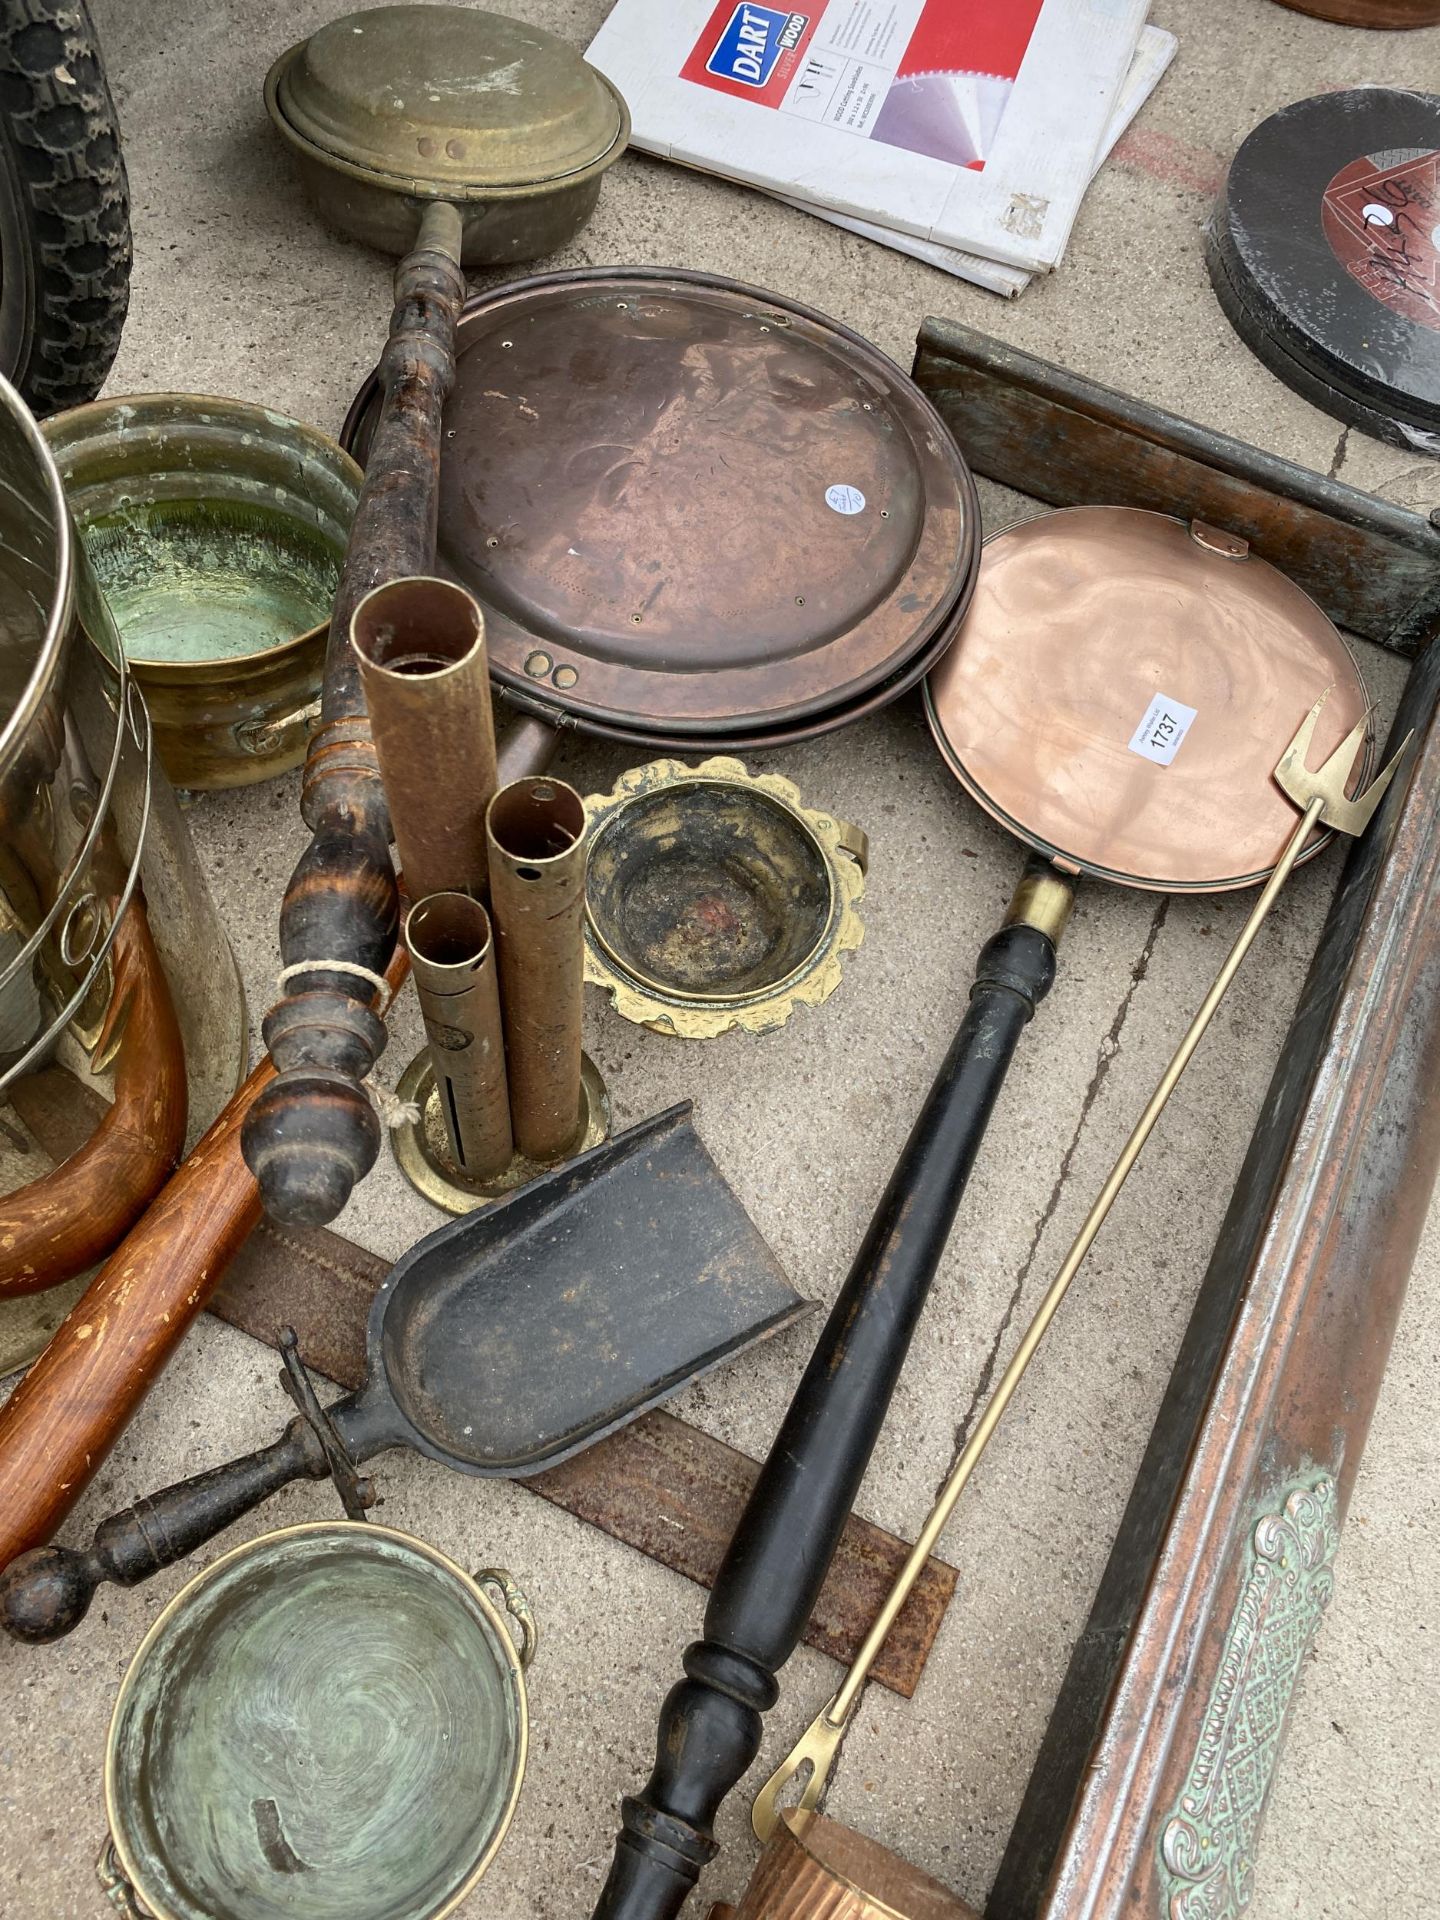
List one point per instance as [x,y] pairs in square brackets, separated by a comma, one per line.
[712,1720]
[312,1134]
[46,1593]
[67,1413]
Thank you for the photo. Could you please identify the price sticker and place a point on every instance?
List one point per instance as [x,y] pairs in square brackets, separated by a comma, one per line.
[1162,732]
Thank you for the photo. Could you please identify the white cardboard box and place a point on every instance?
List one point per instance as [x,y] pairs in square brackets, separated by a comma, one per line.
[974,123]
[1153,54]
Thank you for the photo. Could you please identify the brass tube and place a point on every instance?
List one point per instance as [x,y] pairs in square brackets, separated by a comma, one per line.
[420,645]
[537,852]
[453,959]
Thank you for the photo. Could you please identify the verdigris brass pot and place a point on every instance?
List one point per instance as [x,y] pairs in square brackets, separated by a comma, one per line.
[122,1023]
[216,530]
[329,1721]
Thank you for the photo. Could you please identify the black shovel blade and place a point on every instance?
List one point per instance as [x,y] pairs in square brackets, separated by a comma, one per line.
[515,1337]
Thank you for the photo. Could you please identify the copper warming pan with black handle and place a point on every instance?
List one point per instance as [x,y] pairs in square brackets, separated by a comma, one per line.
[1093,639]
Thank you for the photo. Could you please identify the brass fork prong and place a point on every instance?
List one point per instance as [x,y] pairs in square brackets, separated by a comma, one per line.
[1298,751]
[1328,782]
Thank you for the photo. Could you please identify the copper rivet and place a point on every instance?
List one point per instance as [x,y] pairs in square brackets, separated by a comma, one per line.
[455,149]
[538,665]
[565,676]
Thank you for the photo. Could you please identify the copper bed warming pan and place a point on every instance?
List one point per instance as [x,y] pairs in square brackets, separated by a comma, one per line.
[1087,632]
[692,510]
[1086,622]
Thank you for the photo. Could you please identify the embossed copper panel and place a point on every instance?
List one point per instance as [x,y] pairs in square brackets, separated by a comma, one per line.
[1089,623]
[690,508]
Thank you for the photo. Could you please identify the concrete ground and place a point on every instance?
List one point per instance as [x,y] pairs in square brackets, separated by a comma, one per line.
[238,290]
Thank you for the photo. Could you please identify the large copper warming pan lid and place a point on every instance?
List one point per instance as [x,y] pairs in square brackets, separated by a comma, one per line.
[1122,689]
[691,509]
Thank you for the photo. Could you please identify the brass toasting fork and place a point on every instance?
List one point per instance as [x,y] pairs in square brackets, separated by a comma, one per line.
[1322,797]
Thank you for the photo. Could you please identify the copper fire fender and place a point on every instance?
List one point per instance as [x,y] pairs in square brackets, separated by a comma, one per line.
[1152,1781]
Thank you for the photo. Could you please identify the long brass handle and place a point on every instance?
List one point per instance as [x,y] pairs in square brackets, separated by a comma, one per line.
[818,1746]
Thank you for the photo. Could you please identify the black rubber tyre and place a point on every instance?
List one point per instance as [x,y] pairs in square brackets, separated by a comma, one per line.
[64,206]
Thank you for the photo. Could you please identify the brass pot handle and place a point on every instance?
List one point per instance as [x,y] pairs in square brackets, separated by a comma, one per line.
[117,1888]
[854,841]
[263,736]
[518,1608]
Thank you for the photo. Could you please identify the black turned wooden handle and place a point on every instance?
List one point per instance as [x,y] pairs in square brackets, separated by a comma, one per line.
[313,1133]
[710,1724]
[46,1593]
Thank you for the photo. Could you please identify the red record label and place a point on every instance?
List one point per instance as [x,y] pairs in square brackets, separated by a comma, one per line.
[1383,225]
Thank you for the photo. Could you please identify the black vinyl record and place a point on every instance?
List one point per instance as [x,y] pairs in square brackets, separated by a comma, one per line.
[1324,250]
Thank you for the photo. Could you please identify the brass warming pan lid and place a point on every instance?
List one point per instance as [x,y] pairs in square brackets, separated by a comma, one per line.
[1122,689]
[445,102]
[694,510]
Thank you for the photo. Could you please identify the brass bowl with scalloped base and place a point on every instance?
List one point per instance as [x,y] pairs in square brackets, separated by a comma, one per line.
[715,899]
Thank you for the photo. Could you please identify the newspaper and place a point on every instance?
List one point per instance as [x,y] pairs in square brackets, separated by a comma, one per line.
[974,126]
[1153,54]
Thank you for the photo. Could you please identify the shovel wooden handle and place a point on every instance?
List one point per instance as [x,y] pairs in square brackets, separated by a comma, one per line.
[72,1406]
[46,1593]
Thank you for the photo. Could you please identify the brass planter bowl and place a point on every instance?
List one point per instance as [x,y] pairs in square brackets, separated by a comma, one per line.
[715,899]
[217,531]
[330,1720]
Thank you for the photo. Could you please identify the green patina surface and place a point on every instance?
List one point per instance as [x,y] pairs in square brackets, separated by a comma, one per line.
[201,580]
[1207,1848]
[327,1730]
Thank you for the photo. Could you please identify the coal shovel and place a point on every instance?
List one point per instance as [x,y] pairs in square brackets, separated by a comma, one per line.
[501,1344]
